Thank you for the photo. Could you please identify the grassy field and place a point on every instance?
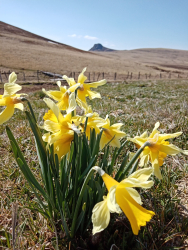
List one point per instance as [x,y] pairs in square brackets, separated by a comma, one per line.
[139,105]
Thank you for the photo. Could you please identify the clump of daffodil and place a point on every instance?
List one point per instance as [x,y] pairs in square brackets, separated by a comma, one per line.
[111,134]
[60,128]
[10,99]
[157,148]
[65,97]
[123,197]
[84,89]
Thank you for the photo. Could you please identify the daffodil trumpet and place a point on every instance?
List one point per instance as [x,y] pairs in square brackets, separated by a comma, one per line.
[123,197]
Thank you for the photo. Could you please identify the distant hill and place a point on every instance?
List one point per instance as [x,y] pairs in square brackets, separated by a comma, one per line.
[100,47]
[23,50]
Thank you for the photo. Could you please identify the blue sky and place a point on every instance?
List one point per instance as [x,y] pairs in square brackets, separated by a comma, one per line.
[120,24]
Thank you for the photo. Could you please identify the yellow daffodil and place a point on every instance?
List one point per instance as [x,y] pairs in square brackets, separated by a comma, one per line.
[94,121]
[158,148]
[84,88]
[111,133]
[10,99]
[65,97]
[123,197]
[60,129]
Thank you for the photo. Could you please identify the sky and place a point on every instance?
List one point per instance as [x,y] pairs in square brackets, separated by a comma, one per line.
[116,24]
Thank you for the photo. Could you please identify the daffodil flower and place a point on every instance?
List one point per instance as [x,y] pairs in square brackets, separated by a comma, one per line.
[94,121]
[84,88]
[65,97]
[158,148]
[10,99]
[111,134]
[60,129]
[123,197]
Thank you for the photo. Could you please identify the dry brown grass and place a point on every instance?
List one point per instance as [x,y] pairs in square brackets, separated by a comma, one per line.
[20,49]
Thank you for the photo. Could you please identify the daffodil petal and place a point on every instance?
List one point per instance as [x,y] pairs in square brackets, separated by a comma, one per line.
[96,84]
[12,77]
[6,114]
[163,137]
[111,201]
[51,126]
[19,106]
[82,78]
[72,103]
[134,194]
[70,81]
[93,94]
[11,89]
[136,214]
[142,174]
[100,216]
[56,95]
[52,106]
[170,149]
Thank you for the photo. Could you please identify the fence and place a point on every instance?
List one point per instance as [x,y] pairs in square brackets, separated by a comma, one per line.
[41,76]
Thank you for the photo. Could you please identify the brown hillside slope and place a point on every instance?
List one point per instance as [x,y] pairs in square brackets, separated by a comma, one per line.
[20,49]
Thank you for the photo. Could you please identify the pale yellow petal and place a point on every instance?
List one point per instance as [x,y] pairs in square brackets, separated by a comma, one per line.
[6,114]
[96,84]
[11,89]
[12,77]
[72,103]
[82,78]
[155,164]
[51,126]
[52,106]
[70,81]
[134,194]
[163,137]
[111,201]
[19,106]
[100,216]
[93,94]
[142,174]
[170,149]
[56,95]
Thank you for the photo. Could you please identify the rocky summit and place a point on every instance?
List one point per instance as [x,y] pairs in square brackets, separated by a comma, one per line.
[100,47]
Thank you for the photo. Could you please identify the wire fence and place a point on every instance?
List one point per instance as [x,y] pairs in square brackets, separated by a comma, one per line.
[42,76]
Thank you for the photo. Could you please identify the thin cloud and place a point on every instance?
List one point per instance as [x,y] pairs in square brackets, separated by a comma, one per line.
[90,37]
[74,35]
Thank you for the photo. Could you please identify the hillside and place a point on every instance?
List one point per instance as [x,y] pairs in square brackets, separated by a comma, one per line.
[20,49]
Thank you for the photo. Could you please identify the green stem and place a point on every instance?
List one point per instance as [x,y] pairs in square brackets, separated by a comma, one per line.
[79,202]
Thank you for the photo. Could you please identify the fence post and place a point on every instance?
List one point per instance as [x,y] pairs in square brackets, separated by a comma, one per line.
[160,75]
[149,75]
[1,77]
[98,76]
[74,75]
[139,75]
[103,75]
[5,75]
[23,76]
[38,75]
[114,76]
[93,76]
[131,75]
[89,77]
